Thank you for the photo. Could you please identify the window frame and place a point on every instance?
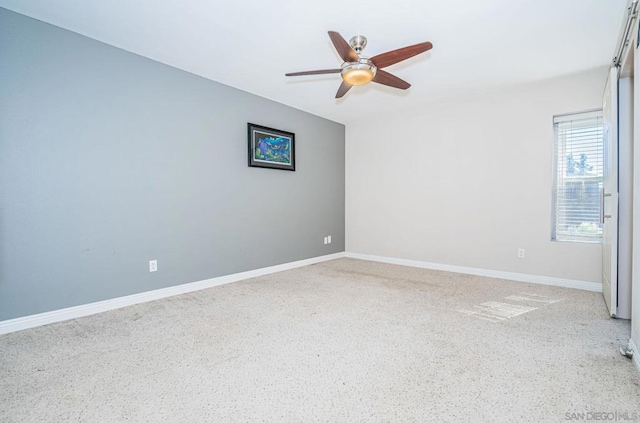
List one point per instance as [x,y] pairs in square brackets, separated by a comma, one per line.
[593,113]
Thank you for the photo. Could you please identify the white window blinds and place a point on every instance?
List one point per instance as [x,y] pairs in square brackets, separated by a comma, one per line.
[578,177]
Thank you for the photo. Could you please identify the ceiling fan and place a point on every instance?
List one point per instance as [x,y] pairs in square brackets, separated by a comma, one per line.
[360,70]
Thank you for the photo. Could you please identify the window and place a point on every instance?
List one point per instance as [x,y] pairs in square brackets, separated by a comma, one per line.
[578,156]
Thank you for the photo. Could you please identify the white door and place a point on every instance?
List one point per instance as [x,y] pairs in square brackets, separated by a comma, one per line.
[610,194]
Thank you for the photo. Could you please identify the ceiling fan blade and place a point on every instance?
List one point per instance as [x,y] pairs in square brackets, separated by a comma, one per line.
[315,72]
[385,78]
[389,58]
[344,87]
[342,46]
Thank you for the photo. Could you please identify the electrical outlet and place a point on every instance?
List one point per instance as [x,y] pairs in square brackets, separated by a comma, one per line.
[329,239]
[326,240]
[153,265]
[520,253]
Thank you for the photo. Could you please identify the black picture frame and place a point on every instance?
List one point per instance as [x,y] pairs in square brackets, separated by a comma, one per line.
[271,148]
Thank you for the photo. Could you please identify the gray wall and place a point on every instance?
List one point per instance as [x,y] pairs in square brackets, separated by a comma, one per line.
[109,159]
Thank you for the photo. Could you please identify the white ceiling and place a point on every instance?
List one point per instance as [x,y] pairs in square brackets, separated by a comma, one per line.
[251,44]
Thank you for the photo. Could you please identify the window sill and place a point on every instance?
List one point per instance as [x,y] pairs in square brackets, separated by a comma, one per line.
[580,241]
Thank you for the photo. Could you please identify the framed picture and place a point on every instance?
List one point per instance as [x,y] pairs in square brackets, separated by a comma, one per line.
[271,148]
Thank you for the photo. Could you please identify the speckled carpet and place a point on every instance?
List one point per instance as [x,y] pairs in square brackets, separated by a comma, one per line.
[340,341]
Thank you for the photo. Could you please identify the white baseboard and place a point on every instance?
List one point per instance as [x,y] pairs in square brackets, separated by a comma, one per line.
[41,319]
[636,355]
[520,277]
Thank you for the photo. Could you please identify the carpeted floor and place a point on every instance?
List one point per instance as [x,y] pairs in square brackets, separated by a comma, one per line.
[340,341]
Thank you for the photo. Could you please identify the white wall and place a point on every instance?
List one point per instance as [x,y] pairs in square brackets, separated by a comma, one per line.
[469,182]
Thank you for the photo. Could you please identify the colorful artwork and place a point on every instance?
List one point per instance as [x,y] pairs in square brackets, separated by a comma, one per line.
[271,148]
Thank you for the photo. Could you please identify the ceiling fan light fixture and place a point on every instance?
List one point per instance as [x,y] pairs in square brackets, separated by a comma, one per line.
[359,73]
